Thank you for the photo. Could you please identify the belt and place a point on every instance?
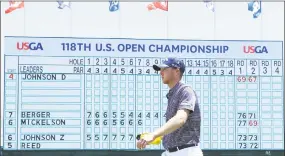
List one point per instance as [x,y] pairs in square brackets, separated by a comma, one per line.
[174,149]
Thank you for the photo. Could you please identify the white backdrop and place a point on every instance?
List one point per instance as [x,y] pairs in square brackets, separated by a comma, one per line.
[230,21]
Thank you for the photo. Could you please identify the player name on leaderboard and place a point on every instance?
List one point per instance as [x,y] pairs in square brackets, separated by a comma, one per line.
[60,100]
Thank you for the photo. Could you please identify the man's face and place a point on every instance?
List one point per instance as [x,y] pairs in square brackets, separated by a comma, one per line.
[168,74]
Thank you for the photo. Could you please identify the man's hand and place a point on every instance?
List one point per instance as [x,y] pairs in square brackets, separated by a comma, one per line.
[147,138]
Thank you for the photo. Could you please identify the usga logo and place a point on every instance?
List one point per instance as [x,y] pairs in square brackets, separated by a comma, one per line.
[29,46]
[255,49]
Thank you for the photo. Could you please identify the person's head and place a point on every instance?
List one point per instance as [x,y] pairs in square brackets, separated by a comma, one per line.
[171,70]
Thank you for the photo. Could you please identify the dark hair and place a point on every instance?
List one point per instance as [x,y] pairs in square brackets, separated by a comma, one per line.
[181,72]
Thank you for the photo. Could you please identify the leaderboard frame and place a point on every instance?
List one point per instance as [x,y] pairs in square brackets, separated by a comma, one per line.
[152,152]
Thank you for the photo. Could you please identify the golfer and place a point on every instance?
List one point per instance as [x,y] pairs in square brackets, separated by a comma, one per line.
[181,132]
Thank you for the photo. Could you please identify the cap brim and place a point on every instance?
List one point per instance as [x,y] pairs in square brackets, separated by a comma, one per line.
[158,67]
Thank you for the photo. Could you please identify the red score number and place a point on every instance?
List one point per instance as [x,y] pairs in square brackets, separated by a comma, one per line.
[252,123]
[11,76]
[244,79]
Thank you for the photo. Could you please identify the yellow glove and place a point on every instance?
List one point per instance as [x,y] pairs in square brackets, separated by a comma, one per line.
[157,141]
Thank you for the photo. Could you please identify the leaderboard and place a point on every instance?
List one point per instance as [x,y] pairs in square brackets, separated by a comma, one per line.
[55,98]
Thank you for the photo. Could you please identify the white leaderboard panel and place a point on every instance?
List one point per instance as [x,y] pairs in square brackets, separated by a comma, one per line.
[77,93]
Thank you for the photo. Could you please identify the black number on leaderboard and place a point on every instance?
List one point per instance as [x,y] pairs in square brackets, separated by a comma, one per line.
[124,71]
[247,138]
[10,145]
[122,137]
[247,119]
[197,63]
[114,137]
[148,115]
[122,114]
[89,137]
[122,122]
[97,122]
[253,145]
[97,115]
[247,116]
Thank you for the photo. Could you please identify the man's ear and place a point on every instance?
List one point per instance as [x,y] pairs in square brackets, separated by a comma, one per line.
[177,71]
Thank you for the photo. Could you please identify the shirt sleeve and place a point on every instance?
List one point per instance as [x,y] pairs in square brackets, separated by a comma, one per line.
[188,99]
